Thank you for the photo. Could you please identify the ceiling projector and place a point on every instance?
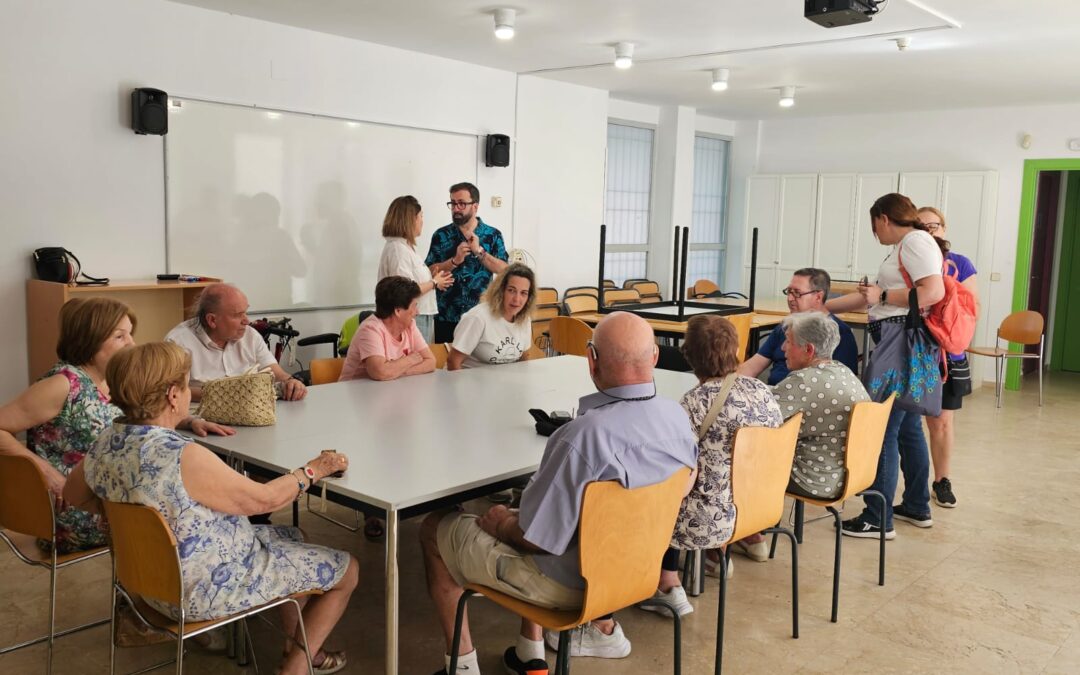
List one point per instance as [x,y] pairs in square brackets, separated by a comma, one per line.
[833,13]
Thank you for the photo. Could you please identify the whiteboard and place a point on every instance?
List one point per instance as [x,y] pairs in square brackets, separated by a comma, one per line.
[289,206]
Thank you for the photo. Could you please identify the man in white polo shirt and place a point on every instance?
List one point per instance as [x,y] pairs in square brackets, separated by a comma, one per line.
[222,343]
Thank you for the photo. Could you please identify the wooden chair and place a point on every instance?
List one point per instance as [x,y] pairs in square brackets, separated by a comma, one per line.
[580,290]
[26,515]
[569,335]
[865,434]
[608,283]
[541,318]
[702,288]
[761,460]
[623,535]
[644,287]
[621,296]
[146,564]
[441,351]
[547,296]
[1025,328]
[577,304]
[325,371]
[742,323]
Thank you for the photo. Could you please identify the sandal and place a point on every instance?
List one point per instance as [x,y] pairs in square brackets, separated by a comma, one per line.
[331,662]
[374,529]
[712,567]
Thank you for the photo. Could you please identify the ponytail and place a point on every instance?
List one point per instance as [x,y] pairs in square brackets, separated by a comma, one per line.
[902,212]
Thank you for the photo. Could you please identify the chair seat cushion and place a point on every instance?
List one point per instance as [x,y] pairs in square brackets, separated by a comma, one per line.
[552,619]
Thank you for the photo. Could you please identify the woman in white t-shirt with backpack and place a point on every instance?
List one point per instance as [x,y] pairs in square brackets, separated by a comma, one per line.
[499,328]
[402,225]
[895,222]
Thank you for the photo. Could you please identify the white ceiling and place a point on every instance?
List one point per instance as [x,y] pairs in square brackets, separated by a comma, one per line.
[1005,52]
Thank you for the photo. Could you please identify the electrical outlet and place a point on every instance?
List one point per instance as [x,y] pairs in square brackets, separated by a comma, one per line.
[496,202]
[995,276]
[1074,143]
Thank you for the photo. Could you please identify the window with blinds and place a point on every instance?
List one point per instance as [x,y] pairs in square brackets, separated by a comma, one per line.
[627,200]
[708,230]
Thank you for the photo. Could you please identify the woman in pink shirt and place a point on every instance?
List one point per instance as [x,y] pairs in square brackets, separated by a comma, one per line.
[388,345]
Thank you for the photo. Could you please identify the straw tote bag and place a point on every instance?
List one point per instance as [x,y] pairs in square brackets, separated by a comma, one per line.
[242,400]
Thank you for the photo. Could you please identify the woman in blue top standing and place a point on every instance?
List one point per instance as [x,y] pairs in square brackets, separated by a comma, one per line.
[958,384]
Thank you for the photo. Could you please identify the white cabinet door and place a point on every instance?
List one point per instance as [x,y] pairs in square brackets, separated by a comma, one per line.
[763,212]
[965,206]
[923,188]
[868,252]
[835,224]
[798,199]
[766,287]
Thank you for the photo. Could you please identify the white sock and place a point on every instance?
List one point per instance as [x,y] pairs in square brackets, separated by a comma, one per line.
[527,649]
[466,663]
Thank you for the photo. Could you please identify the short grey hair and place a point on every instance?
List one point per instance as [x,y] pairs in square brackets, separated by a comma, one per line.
[210,301]
[814,328]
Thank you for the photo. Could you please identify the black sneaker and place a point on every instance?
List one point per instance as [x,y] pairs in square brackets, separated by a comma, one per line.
[943,495]
[515,666]
[857,527]
[900,513]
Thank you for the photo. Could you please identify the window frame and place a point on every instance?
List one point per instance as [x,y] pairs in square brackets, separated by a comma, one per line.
[721,246]
[646,247]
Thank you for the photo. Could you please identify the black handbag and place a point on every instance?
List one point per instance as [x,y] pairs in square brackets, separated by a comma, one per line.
[56,263]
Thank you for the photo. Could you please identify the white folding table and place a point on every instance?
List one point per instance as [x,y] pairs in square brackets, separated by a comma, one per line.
[419,443]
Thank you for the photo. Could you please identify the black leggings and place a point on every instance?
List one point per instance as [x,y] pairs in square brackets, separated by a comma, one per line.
[670,563]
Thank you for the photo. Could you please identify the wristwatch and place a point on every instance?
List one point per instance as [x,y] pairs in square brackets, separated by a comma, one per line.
[884,294]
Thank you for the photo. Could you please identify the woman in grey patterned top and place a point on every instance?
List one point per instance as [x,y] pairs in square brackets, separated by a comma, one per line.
[825,391]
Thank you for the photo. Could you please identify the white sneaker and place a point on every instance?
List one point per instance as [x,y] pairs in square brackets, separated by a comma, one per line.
[675,597]
[758,552]
[588,640]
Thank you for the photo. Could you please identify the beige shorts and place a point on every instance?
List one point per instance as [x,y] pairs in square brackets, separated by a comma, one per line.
[474,556]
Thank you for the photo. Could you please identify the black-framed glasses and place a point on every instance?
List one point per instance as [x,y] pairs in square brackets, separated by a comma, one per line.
[458,205]
[791,292]
[932,227]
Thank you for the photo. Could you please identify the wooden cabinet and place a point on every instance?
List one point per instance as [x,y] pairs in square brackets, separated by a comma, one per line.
[158,306]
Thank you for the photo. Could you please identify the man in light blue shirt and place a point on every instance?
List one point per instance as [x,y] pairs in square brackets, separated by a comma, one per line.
[624,432]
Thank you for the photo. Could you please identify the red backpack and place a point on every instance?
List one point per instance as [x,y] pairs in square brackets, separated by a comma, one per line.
[950,320]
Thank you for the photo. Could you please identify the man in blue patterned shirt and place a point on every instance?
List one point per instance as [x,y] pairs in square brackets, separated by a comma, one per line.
[471,250]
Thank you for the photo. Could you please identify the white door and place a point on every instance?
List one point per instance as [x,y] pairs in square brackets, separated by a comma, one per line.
[923,188]
[763,195]
[798,224]
[834,237]
[868,252]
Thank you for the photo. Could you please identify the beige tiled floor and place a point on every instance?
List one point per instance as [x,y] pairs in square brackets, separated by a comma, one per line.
[993,587]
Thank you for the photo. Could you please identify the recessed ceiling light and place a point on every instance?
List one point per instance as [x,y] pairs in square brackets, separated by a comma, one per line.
[504,23]
[720,79]
[273,115]
[624,55]
[787,96]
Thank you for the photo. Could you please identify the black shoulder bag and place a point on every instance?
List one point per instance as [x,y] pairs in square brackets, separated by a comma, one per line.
[56,263]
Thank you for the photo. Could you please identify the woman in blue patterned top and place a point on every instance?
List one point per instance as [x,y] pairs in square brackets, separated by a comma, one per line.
[228,565]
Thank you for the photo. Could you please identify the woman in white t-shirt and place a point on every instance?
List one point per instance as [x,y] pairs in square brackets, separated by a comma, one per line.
[499,329]
[895,222]
[402,225]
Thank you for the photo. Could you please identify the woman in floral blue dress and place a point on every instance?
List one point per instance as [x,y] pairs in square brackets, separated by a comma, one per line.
[228,564]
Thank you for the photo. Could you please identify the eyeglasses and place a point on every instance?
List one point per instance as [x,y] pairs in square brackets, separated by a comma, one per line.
[932,227]
[458,205]
[791,292]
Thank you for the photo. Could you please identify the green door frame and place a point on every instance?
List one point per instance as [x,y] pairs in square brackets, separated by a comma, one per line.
[1022,274]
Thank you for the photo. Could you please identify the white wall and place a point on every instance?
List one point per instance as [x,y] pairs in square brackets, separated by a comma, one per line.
[559,205]
[925,141]
[74,174]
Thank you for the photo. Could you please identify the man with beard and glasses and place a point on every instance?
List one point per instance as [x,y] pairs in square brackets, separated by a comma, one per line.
[468,248]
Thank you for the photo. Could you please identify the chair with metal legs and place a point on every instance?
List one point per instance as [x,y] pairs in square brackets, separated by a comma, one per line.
[146,564]
[623,535]
[1025,328]
[761,460]
[865,434]
[26,516]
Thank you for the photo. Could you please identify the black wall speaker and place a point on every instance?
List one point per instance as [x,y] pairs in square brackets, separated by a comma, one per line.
[149,111]
[498,150]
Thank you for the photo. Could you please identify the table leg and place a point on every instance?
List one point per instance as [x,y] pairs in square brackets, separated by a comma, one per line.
[391,592]
[865,349]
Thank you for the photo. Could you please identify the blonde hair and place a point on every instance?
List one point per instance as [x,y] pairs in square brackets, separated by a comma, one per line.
[400,220]
[139,378]
[493,296]
[938,214]
[85,325]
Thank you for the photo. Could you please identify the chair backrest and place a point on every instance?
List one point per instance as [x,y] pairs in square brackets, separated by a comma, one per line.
[701,288]
[1024,327]
[325,371]
[546,296]
[761,459]
[623,535]
[580,303]
[621,296]
[644,287]
[580,290]
[866,431]
[545,312]
[144,552]
[608,283]
[651,299]
[26,505]
[569,335]
[742,328]
[541,319]
[441,351]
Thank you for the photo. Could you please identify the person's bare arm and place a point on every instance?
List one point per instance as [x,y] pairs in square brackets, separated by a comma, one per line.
[493,264]
[292,388]
[930,289]
[453,261]
[847,303]
[753,366]
[502,523]
[382,369]
[972,284]
[78,494]
[455,359]
[41,402]
[427,365]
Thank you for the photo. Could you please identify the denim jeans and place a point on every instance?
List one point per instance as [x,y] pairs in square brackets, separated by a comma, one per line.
[425,323]
[904,450]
